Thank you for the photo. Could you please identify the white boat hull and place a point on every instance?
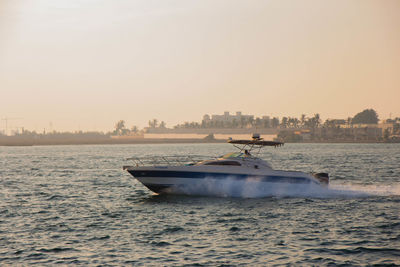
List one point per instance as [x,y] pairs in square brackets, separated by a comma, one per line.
[197,179]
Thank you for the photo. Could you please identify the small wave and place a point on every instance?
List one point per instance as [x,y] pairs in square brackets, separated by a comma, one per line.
[36,256]
[234,220]
[234,229]
[112,214]
[170,230]
[160,243]
[358,250]
[389,225]
[56,250]
[173,229]
[55,197]
[99,238]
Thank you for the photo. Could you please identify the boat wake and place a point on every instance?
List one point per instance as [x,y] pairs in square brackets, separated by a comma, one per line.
[254,188]
[369,190]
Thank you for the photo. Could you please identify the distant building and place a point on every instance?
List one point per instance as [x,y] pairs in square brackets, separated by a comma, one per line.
[391,126]
[226,117]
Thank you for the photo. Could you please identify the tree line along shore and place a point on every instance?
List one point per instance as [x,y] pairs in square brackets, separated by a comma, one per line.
[364,127]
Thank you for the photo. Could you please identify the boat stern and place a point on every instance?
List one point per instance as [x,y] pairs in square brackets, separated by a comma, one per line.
[322,177]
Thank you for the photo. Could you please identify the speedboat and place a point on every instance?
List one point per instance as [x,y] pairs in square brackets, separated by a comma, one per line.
[185,176]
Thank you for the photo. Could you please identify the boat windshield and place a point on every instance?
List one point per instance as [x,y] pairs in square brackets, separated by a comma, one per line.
[234,155]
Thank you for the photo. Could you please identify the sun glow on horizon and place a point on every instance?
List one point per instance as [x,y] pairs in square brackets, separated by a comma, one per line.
[85,65]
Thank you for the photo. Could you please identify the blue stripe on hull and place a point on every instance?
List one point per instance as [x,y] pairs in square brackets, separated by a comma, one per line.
[217,175]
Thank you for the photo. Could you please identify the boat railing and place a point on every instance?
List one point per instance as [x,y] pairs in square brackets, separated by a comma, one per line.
[167,160]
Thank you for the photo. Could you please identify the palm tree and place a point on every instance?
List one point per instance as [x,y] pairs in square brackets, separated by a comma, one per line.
[153,123]
[134,129]
[303,120]
[317,120]
[119,127]
[296,123]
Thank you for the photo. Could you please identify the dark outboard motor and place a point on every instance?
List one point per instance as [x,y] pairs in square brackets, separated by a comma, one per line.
[322,177]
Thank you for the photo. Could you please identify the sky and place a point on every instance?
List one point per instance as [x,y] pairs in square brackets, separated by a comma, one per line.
[70,65]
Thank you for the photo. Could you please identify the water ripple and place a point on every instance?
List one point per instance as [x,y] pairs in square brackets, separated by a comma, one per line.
[74,205]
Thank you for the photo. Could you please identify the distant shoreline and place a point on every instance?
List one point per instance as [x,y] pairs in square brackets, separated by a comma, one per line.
[44,142]
[108,142]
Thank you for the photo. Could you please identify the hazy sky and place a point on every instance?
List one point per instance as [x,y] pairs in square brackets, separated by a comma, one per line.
[85,64]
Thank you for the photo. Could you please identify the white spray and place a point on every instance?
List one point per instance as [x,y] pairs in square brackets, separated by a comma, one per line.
[255,188]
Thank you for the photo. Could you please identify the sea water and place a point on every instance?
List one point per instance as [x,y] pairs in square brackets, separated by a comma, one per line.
[74,205]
